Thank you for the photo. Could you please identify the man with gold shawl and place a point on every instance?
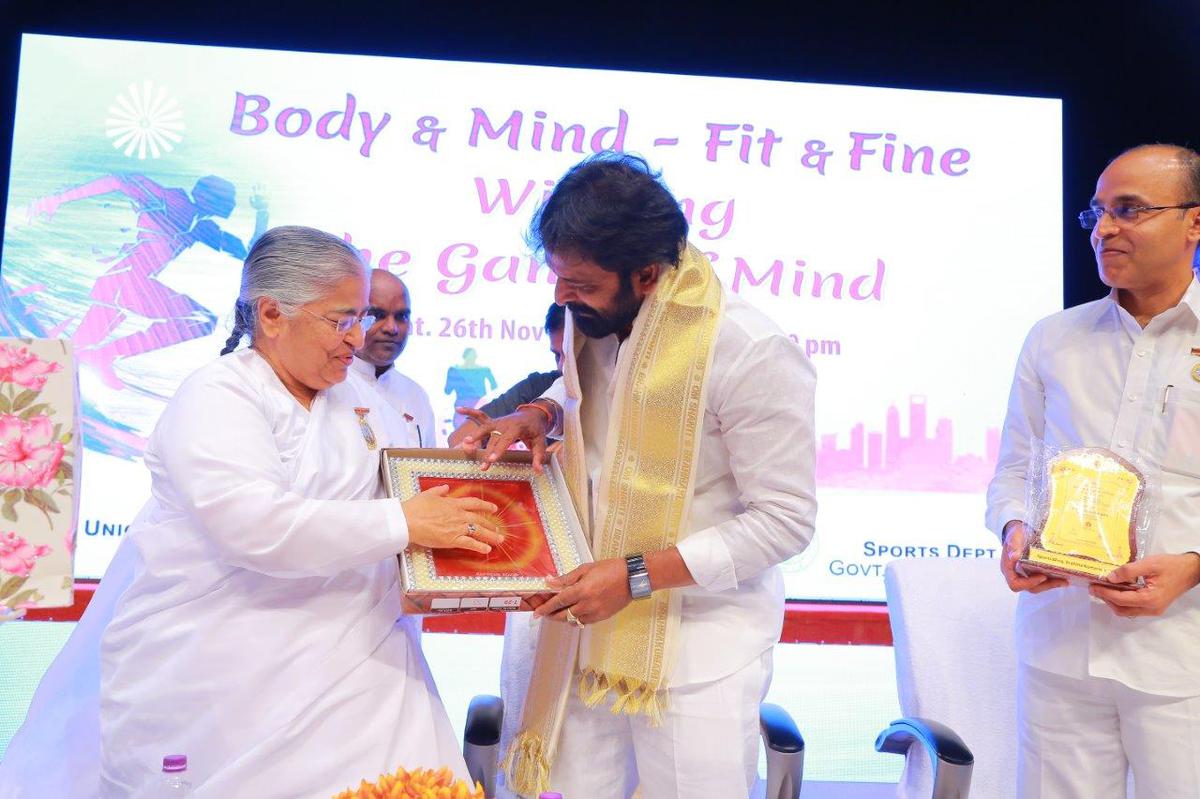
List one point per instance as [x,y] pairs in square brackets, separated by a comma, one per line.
[687,422]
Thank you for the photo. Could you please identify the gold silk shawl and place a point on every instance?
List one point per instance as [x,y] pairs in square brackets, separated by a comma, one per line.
[642,505]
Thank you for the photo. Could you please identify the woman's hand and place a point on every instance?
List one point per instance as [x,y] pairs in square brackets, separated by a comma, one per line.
[441,522]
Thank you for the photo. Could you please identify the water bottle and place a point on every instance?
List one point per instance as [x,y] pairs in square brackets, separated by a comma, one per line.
[174,777]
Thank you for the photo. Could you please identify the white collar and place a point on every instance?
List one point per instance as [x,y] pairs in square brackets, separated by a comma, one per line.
[367,369]
[1190,300]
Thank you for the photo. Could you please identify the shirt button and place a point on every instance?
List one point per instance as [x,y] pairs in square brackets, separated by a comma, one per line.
[1123,444]
[1133,397]
[1141,353]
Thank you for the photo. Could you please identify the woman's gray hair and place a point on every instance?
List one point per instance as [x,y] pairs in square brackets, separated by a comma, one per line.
[294,266]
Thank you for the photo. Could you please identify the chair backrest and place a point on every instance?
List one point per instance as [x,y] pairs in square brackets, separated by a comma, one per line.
[952,627]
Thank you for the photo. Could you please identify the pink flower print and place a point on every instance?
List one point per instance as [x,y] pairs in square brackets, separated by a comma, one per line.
[19,365]
[17,555]
[29,453]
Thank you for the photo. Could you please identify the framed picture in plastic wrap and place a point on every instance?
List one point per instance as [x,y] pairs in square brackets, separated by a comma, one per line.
[1091,512]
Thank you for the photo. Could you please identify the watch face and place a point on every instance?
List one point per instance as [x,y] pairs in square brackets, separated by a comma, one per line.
[639,585]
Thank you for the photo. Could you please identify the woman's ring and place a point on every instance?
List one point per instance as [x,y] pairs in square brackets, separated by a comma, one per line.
[495,433]
[573,619]
[470,528]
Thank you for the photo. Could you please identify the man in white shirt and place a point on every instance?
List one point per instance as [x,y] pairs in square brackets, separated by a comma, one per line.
[385,340]
[671,391]
[1109,679]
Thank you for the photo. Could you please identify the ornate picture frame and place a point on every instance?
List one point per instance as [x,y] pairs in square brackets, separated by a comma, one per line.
[543,537]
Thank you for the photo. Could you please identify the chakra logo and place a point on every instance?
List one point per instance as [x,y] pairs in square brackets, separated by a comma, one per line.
[144,120]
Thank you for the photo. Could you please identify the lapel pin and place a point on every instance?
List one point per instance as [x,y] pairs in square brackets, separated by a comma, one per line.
[367,433]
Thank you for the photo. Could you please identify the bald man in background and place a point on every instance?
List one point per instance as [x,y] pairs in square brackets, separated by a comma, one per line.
[389,303]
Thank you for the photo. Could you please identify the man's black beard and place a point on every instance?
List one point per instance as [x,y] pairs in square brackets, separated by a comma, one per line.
[595,324]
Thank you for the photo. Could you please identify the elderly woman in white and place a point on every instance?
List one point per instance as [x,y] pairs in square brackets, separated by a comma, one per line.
[249,619]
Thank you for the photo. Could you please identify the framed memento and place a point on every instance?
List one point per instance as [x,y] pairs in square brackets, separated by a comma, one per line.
[542,535]
[1091,499]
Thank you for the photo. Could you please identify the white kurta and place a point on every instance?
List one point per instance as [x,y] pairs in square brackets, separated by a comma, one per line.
[257,633]
[1097,691]
[755,499]
[406,396]
[1091,376]
[754,507]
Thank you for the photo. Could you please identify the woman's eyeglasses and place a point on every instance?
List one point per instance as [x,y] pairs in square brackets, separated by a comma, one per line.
[346,323]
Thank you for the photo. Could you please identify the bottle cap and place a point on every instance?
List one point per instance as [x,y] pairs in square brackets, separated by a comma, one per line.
[175,763]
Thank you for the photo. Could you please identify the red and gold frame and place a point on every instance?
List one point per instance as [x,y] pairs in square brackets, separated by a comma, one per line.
[543,537]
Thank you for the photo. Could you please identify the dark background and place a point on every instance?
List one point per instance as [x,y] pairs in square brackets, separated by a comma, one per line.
[1128,72]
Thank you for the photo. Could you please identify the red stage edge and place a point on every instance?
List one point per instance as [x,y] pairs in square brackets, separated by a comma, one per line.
[860,624]
[83,595]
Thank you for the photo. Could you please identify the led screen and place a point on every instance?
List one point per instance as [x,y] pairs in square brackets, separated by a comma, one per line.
[905,239]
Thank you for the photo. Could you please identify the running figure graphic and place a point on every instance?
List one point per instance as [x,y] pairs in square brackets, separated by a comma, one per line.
[468,381]
[168,222]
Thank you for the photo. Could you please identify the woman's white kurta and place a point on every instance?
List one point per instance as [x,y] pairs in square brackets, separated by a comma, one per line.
[258,633]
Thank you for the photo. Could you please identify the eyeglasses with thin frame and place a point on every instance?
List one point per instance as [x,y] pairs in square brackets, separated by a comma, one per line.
[346,323]
[1125,214]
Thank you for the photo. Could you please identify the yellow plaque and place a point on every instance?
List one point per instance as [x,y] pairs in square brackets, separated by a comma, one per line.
[1090,515]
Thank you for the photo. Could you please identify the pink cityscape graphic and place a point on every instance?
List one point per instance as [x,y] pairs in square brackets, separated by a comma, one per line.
[914,462]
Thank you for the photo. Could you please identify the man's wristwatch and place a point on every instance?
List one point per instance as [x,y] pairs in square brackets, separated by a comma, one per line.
[639,578]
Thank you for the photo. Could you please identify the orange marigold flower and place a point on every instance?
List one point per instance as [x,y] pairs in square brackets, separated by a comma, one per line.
[415,784]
